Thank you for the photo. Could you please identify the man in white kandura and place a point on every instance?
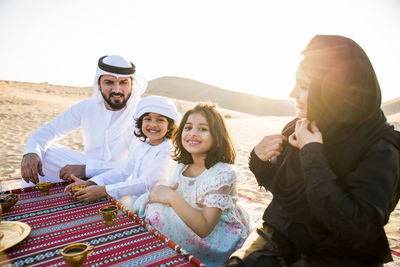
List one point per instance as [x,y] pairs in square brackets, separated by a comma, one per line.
[106,123]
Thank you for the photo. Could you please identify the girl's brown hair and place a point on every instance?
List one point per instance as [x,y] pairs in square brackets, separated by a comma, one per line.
[142,137]
[222,149]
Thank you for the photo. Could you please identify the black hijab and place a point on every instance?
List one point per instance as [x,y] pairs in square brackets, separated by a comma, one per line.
[344,99]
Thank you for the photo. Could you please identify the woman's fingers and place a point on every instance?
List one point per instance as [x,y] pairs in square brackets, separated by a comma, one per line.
[293,140]
[276,147]
[269,146]
[314,127]
[305,133]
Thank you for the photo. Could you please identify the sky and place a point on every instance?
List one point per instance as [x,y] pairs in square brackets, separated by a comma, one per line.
[250,46]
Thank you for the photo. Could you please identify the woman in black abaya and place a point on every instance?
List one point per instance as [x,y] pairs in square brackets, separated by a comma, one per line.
[333,172]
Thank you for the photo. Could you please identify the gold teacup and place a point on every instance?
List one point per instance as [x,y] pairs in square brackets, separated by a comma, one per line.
[109,213]
[75,254]
[78,188]
[7,201]
[44,187]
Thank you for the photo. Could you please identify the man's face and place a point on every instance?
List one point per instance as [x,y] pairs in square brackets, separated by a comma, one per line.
[115,91]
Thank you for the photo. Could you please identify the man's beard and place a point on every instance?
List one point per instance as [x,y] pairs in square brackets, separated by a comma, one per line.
[116,105]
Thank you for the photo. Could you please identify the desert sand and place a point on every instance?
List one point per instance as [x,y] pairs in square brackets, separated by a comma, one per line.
[26,106]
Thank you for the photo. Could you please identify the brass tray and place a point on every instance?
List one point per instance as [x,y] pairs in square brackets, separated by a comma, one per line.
[13,232]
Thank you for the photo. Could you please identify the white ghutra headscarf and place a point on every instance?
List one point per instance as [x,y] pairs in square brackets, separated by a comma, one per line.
[117,66]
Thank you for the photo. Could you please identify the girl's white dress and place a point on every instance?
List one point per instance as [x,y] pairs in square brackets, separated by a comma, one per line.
[215,187]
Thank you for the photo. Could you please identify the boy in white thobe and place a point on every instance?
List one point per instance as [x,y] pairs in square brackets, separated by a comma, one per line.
[147,165]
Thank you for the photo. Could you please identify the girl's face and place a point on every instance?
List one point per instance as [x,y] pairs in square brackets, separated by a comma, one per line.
[155,127]
[196,135]
[300,92]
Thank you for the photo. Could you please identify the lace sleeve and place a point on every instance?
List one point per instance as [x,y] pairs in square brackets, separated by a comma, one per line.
[215,192]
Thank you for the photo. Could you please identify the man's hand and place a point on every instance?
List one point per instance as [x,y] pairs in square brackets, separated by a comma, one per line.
[91,193]
[303,136]
[270,146]
[31,166]
[68,170]
[77,181]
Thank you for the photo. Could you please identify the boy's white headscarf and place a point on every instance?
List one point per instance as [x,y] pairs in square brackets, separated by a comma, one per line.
[158,104]
[117,66]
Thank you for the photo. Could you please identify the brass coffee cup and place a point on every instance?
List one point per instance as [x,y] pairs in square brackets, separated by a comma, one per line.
[7,201]
[75,254]
[44,187]
[78,188]
[109,213]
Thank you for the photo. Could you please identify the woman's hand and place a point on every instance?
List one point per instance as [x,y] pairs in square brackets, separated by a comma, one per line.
[163,194]
[270,146]
[303,136]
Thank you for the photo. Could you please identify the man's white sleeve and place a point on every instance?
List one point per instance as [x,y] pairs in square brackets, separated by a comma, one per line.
[42,138]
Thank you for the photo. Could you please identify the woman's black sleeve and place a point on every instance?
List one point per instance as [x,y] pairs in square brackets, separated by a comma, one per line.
[263,170]
[357,207]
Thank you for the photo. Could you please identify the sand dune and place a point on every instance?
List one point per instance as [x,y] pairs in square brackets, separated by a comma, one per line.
[392,106]
[25,106]
[391,109]
[191,90]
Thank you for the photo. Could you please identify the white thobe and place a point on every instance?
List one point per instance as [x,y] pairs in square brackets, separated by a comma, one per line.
[102,151]
[144,167]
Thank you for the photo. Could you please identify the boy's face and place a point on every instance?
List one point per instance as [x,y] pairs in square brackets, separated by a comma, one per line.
[155,127]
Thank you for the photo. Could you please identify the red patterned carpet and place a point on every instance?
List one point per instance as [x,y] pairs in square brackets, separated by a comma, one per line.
[57,220]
